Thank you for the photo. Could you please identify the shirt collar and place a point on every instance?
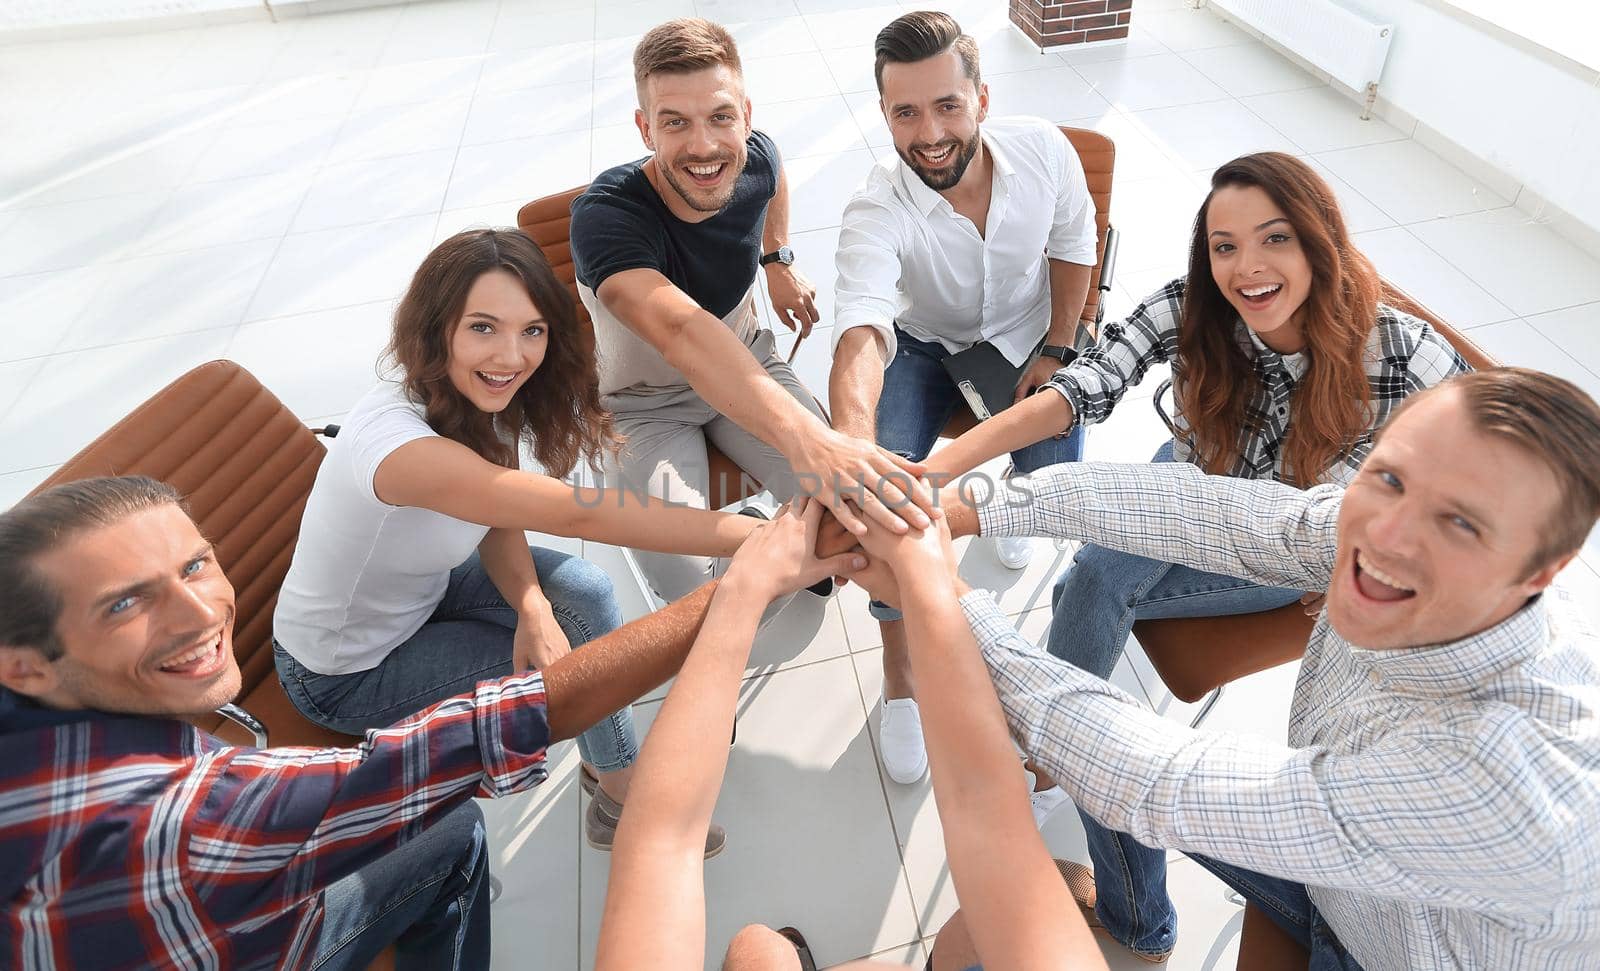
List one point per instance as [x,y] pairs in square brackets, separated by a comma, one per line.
[1294,363]
[927,200]
[1457,668]
[19,713]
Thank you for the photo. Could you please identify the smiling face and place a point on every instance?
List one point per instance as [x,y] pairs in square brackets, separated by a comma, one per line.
[498,343]
[1258,264]
[696,122]
[146,623]
[1437,530]
[934,110]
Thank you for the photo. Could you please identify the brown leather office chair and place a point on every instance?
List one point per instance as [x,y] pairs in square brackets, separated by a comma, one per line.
[1098,154]
[1196,656]
[245,464]
[548,221]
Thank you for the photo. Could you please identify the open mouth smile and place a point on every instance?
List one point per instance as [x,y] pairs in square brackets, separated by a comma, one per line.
[705,174]
[1374,584]
[1259,296]
[497,381]
[200,661]
[937,157]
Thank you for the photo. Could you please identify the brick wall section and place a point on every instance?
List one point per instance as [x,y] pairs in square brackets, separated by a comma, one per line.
[1052,23]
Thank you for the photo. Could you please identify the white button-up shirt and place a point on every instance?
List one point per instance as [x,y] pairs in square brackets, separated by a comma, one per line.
[1440,803]
[906,255]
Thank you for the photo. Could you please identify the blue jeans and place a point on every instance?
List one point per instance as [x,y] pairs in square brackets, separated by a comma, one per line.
[917,402]
[468,639]
[1094,604]
[1290,907]
[429,898]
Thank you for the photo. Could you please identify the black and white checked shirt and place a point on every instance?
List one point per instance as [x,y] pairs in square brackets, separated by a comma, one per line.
[1442,804]
[1404,354]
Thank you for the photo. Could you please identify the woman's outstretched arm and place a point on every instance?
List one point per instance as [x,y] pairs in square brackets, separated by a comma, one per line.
[449,478]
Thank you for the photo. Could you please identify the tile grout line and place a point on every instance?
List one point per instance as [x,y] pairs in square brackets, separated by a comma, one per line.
[315,169]
[900,842]
[1406,228]
[1469,276]
[466,119]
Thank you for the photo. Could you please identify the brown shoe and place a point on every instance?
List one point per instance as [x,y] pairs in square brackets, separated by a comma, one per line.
[600,825]
[1080,883]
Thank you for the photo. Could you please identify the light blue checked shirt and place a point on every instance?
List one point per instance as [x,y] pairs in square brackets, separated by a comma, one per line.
[1442,804]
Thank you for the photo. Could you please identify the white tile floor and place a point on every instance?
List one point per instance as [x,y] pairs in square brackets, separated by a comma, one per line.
[263,192]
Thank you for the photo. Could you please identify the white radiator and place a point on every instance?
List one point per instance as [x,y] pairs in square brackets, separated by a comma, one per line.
[1331,36]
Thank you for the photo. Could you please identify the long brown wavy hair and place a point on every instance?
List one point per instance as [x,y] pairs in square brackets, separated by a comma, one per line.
[557,409]
[1332,404]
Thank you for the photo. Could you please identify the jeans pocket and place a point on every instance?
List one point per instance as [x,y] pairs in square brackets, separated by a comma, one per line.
[314,694]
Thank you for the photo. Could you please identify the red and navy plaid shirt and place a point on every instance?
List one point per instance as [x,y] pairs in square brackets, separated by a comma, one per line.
[129,842]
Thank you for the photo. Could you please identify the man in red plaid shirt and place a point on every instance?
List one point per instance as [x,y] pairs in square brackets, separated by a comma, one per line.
[130,839]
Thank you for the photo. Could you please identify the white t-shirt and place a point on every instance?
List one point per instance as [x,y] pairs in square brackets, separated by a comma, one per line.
[906,256]
[366,575]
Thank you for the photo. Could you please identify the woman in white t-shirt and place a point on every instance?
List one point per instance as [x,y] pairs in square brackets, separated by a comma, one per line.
[412,579]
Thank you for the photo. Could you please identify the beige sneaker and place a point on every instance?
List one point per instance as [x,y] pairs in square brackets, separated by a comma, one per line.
[600,823]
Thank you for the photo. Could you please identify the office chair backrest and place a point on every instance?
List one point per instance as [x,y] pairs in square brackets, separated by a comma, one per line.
[244,464]
[1098,154]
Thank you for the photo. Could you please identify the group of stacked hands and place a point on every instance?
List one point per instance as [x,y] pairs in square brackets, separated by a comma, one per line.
[1437,804]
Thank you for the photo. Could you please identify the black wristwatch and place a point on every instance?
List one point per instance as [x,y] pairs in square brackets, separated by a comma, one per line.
[1059,352]
[783,255]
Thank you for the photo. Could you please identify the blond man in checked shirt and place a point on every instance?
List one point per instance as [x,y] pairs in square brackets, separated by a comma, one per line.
[1438,802]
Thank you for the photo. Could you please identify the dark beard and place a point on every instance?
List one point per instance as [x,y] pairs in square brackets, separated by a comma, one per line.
[940,181]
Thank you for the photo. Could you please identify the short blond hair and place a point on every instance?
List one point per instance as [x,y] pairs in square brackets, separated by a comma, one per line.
[1551,419]
[681,46]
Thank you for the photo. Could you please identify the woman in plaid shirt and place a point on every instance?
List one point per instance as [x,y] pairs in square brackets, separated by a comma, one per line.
[1285,359]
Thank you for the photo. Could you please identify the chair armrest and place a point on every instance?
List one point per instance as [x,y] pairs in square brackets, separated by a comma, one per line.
[246,721]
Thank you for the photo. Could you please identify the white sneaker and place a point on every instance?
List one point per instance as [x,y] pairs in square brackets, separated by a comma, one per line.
[905,757]
[1014,552]
[1045,802]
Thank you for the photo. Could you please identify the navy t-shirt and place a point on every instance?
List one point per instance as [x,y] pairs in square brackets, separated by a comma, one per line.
[621,223]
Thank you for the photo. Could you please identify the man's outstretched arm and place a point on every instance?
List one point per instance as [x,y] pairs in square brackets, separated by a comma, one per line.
[316,815]
[618,668]
[721,370]
[1254,529]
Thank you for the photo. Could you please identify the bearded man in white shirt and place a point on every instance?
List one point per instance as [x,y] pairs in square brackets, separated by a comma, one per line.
[976,236]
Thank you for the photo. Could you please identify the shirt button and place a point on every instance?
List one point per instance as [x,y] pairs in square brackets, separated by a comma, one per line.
[1280,411]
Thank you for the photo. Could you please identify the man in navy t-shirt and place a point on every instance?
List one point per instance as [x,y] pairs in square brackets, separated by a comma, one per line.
[667,250]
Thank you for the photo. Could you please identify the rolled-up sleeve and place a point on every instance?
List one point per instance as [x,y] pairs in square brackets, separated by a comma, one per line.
[1096,380]
[867,293]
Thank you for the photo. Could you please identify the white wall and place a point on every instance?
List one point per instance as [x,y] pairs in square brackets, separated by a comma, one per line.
[25,21]
[24,14]
[1527,112]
